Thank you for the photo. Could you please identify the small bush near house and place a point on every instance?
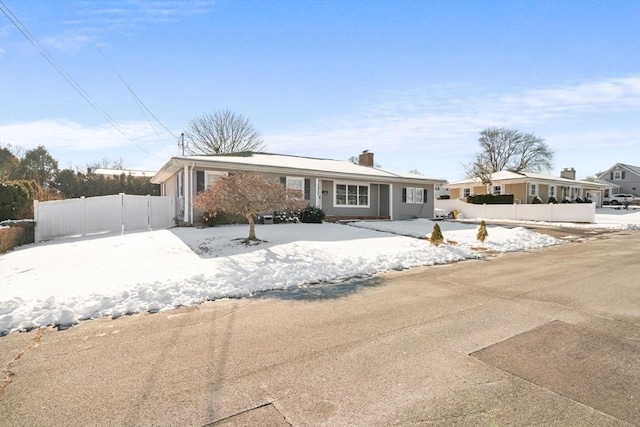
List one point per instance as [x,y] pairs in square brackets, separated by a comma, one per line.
[286,217]
[491,199]
[536,201]
[436,236]
[482,232]
[311,214]
[16,233]
[552,200]
[222,218]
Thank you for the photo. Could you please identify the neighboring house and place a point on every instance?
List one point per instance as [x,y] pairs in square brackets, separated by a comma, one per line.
[608,188]
[622,178]
[341,188]
[441,190]
[525,186]
[117,172]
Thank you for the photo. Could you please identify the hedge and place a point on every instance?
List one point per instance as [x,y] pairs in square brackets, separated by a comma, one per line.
[16,233]
[16,199]
[491,199]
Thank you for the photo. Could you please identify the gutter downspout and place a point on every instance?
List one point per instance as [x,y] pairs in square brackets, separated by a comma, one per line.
[391,202]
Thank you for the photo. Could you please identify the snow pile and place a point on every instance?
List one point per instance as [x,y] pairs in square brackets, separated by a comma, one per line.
[64,281]
[463,235]
[606,219]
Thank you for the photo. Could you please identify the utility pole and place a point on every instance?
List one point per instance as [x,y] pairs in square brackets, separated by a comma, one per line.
[181,142]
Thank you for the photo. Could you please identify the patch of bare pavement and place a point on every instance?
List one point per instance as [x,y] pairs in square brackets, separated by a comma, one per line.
[547,337]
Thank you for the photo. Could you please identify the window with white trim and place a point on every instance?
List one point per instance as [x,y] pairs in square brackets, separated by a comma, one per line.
[211,177]
[552,191]
[497,189]
[533,189]
[617,175]
[295,183]
[413,195]
[466,192]
[352,195]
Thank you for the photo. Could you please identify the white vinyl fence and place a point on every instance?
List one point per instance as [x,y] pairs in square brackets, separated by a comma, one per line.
[561,212]
[88,215]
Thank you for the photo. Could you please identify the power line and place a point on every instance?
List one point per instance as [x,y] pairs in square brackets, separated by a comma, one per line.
[141,105]
[66,76]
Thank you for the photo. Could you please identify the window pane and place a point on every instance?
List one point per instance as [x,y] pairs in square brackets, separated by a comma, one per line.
[419,195]
[341,194]
[411,195]
[363,195]
[352,194]
[295,183]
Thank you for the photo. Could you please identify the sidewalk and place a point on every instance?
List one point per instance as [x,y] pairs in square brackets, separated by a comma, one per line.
[518,339]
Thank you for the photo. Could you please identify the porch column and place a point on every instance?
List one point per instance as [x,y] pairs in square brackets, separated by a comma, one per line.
[187,193]
[391,202]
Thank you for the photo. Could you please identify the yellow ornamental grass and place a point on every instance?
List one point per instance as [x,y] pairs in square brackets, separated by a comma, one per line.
[482,232]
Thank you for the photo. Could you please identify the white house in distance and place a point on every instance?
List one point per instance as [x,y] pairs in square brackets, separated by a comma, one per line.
[344,190]
[108,172]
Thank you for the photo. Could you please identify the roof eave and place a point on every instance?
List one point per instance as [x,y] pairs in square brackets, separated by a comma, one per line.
[177,163]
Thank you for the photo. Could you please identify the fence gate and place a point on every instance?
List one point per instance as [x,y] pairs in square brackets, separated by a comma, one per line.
[88,215]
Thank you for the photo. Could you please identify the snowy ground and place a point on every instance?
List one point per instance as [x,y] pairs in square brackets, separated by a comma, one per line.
[67,280]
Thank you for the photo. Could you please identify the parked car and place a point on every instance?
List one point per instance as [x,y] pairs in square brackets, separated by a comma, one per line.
[621,199]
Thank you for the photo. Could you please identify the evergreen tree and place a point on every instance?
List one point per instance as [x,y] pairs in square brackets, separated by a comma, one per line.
[436,236]
[482,232]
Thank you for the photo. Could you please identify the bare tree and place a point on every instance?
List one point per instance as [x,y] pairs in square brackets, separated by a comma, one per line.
[248,195]
[509,149]
[107,163]
[222,132]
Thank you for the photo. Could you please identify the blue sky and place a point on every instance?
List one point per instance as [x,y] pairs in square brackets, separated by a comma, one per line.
[412,81]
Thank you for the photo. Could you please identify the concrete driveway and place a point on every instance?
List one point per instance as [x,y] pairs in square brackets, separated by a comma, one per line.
[549,337]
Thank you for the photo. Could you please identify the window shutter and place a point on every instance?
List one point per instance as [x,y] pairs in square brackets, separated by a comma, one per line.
[307,189]
[424,195]
[199,181]
[283,180]
[404,195]
[622,174]
[611,176]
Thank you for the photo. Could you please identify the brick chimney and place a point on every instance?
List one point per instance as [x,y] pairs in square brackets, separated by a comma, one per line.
[366,158]
[568,173]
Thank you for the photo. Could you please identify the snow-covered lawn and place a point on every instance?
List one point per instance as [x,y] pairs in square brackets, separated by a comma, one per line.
[67,280]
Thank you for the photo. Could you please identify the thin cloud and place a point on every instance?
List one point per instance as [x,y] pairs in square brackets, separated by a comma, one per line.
[437,117]
[70,135]
[88,25]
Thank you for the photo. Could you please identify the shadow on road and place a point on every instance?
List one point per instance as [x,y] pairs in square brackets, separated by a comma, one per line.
[320,291]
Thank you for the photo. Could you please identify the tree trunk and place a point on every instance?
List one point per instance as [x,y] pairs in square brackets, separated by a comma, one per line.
[252,228]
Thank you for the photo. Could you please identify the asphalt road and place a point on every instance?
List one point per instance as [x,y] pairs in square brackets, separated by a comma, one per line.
[548,337]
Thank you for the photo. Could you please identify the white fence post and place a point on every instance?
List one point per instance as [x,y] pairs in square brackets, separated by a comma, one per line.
[122,212]
[36,219]
[83,205]
[149,213]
